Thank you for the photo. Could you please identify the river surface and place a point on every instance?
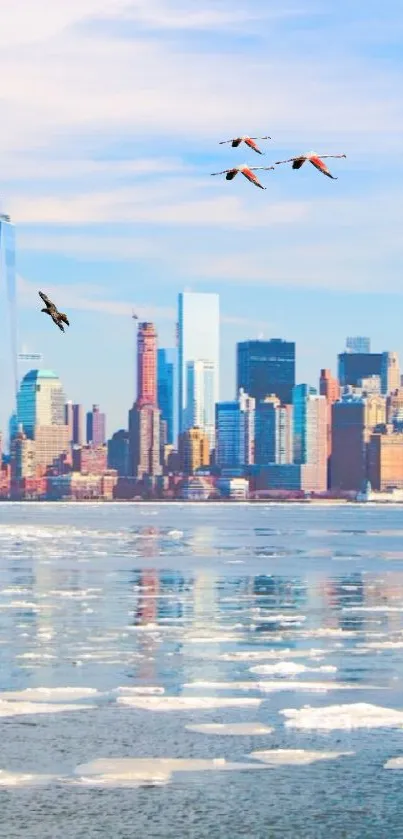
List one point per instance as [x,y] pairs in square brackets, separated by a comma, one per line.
[201,671]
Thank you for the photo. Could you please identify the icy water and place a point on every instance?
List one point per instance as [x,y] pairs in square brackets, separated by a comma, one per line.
[201,671]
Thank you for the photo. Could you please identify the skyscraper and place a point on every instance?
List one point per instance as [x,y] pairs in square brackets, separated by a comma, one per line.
[310,434]
[353,421]
[198,338]
[40,401]
[266,367]
[358,344]
[96,426]
[8,281]
[146,364]
[329,388]
[353,367]
[235,430]
[74,418]
[200,398]
[165,390]
[390,372]
[194,450]
[144,441]
[273,432]
[145,417]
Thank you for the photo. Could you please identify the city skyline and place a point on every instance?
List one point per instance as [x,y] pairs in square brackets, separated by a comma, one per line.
[110,191]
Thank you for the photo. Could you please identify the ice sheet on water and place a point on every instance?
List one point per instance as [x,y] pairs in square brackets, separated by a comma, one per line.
[22,779]
[262,655]
[394,763]
[342,717]
[295,757]
[279,684]
[185,703]
[16,709]
[60,694]
[144,690]
[151,771]
[289,668]
[233,729]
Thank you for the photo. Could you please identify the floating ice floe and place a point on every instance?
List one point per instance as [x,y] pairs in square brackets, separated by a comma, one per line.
[262,655]
[342,717]
[16,709]
[185,703]
[279,684]
[394,763]
[289,668]
[144,690]
[250,729]
[134,772]
[44,694]
[295,757]
[23,779]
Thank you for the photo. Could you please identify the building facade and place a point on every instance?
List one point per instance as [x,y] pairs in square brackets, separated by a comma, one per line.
[358,344]
[310,436]
[8,282]
[354,419]
[235,432]
[165,390]
[266,367]
[198,338]
[194,450]
[200,397]
[385,460]
[40,401]
[273,432]
[96,427]
[147,364]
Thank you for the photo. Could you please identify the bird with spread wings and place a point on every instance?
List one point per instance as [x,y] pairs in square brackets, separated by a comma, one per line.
[54,313]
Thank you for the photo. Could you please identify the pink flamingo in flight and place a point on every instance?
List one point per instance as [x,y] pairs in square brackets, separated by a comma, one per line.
[249,141]
[315,159]
[247,171]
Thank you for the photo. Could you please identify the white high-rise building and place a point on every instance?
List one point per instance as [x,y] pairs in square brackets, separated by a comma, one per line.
[200,397]
[198,341]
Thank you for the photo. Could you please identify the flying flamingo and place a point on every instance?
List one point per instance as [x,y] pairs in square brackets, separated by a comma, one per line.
[249,141]
[246,170]
[313,158]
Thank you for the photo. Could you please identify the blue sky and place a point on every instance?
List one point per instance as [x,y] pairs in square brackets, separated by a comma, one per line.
[111,116]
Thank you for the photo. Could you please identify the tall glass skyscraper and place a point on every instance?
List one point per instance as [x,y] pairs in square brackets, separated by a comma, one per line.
[198,338]
[200,397]
[8,281]
[165,388]
[266,367]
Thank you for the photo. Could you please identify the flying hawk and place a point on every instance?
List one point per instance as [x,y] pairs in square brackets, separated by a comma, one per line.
[51,310]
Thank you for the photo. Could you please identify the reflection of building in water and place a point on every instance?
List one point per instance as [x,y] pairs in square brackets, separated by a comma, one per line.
[146,613]
[201,540]
[273,593]
[386,592]
[369,591]
[148,541]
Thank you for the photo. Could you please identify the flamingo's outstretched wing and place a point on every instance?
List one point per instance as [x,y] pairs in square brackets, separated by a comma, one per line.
[250,175]
[250,141]
[321,166]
